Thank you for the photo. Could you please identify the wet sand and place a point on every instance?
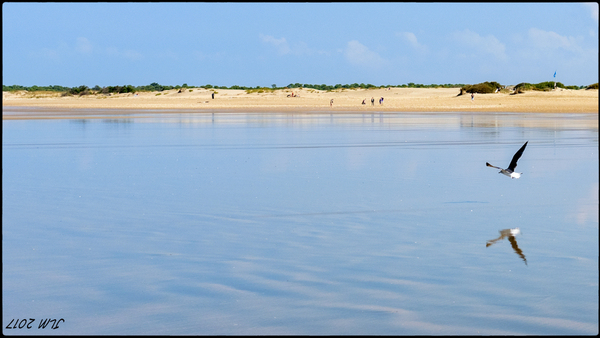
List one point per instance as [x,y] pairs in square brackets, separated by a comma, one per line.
[309,100]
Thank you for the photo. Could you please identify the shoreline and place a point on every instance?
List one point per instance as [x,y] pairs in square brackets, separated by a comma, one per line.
[414,100]
[550,121]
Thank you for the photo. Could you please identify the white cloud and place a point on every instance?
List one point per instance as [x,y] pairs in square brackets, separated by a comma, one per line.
[593,8]
[168,55]
[132,55]
[487,45]
[301,48]
[112,51]
[281,44]
[283,47]
[48,53]
[543,52]
[127,54]
[57,53]
[83,45]
[551,41]
[358,54]
[412,41]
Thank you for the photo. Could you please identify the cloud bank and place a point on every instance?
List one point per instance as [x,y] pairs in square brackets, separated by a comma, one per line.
[480,44]
[411,39]
[360,55]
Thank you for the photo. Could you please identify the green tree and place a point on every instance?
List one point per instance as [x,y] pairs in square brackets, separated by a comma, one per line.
[78,90]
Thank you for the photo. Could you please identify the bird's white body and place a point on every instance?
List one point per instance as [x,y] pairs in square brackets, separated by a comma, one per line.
[509,173]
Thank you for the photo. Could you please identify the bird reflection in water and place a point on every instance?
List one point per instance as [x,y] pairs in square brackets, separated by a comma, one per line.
[510,233]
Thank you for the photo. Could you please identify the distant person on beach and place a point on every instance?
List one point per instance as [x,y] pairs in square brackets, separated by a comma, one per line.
[364,101]
[213,95]
[331,103]
[381,100]
[472,96]
[372,101]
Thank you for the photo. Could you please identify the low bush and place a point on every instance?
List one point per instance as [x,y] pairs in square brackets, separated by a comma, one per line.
[81,90]
[259,90]
[481,88]
[542,86]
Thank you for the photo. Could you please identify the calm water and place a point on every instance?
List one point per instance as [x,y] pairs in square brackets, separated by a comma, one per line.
[300,224]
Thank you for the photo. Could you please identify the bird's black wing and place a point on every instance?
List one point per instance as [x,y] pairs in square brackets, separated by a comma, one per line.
[513,163]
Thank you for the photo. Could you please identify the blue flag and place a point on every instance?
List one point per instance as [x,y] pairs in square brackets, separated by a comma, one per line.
[554,73]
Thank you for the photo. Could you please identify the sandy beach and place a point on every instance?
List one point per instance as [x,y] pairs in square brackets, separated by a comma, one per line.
[310,100]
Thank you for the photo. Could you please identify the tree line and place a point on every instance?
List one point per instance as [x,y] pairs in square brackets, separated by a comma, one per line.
[159,88]
[485,87]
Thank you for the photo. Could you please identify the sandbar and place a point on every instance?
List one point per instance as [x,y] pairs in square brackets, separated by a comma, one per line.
[308,100]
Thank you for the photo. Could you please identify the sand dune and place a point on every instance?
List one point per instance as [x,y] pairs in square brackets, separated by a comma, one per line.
[395,100]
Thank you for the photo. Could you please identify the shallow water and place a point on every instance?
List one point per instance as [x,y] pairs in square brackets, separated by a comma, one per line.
[300,224]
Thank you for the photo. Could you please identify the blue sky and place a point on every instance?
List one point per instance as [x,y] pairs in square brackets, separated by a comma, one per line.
[260,44]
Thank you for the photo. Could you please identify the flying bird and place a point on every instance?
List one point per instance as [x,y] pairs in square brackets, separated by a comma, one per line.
[510,171]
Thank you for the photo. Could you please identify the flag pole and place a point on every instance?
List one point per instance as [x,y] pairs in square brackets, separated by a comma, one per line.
[554,79]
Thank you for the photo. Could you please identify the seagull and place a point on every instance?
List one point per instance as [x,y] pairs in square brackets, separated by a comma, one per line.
[510,233]
[510,171]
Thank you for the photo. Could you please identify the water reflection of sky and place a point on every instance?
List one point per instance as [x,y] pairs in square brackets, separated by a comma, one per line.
[303,224]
